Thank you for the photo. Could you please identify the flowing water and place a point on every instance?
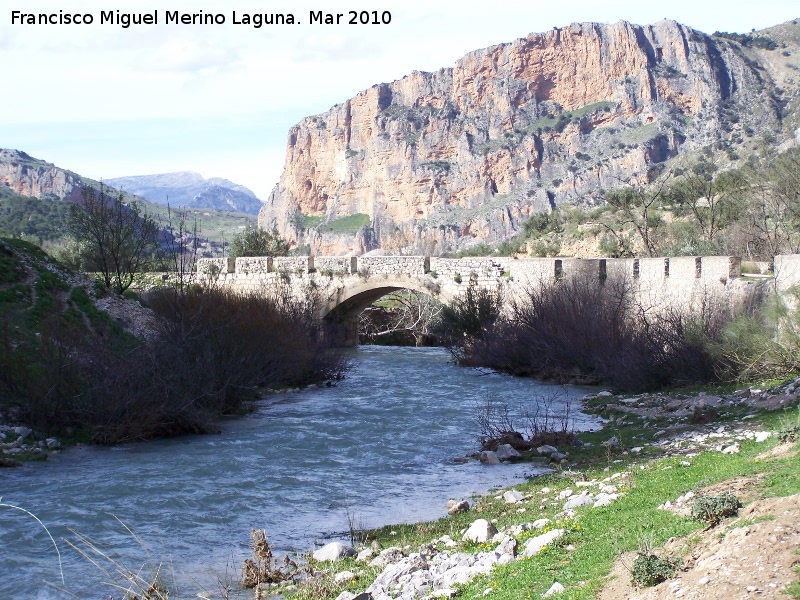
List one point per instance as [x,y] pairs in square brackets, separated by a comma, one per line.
[377,447]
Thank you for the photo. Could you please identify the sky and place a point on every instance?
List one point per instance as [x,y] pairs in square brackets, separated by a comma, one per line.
[107,101]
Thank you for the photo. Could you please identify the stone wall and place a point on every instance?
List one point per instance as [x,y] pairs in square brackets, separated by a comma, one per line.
[679,281]
[787,271]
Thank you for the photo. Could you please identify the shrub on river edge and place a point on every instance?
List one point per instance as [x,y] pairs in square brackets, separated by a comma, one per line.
[576,331]
[66,364]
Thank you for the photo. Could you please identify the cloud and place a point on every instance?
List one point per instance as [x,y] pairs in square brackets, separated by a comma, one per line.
[335,47]
[188,57]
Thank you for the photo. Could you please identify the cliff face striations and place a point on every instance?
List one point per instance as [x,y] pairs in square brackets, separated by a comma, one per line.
[32,177]
[439,161]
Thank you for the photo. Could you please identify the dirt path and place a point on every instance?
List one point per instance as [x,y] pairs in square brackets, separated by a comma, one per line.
[751,556]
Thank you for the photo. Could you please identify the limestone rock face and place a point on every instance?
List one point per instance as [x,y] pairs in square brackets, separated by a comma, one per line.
[29,176]
[439,161]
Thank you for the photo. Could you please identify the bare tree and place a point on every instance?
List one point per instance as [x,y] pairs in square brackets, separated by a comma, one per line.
[713,198]
[116,238]
[637,206]
[404,311]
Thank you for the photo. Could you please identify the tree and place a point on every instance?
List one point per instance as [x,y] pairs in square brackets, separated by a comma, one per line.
[405,312]
[255,241]
[713,199]
[116,239]
[637,206]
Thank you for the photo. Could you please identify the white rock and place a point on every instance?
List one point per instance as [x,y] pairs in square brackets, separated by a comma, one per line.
[604,394]
[52,443]
[565,494]
[763,436]
[345,595]
[535,544]
[480,532]
[457,507]
[443,593]
[637,450]
[365,555]
[506,452]
[333,552]
[732,449]
[540,523]
[546,450]
[344,576]
[488,457]
[604,499]
[612,442]
[556,588]
[513,496]
[22,431]
[576,501]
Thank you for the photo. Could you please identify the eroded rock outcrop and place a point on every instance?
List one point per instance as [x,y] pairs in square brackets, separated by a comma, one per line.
[438,161]
[32,177]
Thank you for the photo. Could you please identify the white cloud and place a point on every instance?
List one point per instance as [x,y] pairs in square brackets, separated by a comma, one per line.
[164,98]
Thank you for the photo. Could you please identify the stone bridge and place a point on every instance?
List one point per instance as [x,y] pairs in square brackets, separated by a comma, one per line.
[345,285]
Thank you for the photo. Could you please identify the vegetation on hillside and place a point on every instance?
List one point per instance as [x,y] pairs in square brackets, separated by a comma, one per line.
[66,364]
[256,241]
[698,208]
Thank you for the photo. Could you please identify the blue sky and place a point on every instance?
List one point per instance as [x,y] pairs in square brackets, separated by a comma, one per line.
[107,102]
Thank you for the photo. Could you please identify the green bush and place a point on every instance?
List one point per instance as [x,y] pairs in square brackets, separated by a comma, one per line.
[649,570]
[712,509]
[255,241]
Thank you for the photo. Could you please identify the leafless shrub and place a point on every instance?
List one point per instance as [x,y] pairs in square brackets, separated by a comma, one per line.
[578,331]
[263,567]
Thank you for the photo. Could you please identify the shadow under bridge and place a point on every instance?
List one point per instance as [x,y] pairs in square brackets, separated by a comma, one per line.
[340,314]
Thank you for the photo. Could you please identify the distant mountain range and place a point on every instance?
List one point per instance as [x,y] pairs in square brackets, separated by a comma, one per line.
[190,190]
[35,197]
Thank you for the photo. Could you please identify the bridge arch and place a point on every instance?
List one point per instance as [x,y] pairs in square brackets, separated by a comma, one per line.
[343,307]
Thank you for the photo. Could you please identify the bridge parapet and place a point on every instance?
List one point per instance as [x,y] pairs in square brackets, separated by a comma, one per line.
[393,265]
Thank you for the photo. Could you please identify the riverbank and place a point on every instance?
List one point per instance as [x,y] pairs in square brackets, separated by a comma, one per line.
[626,491]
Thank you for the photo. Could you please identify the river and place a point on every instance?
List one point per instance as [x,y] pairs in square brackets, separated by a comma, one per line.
[378,446]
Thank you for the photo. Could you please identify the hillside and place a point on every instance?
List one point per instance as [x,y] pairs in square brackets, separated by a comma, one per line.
[437,162]
[190,190]
[34,197]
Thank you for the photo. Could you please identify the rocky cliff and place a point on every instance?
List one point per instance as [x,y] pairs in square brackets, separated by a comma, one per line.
[28,176]
[439,161]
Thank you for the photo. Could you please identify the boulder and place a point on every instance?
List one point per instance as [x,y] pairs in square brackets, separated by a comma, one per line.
[333,552]
[604,499]
[489,458]
[365,555]
[534,545]
[556,588]
[546,449]
[513,496]
[732,449]
[387,557]
[576,501]
[457,507]
[480,532]
[343,576]
[506,452]
[22,432]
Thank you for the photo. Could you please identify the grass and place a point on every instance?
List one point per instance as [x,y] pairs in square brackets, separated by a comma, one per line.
[346,225]
[582,559]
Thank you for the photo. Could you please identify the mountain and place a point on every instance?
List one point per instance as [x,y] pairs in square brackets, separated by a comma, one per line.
[437,162]
[190,190]
[35,197]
